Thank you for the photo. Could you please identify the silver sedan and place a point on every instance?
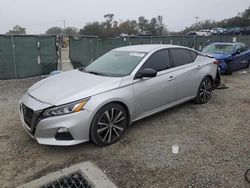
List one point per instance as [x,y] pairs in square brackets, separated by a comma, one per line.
[99,101]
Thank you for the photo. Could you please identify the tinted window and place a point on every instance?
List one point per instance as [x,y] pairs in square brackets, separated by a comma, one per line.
[244,47]
[182,56]
[159,60]
[241,47]
[193,55]
[238,47]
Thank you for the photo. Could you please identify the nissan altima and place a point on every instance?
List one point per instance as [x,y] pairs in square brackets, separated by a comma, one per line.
[99,101]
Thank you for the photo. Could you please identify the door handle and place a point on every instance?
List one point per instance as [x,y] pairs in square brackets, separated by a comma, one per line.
[171,78]
[198,67]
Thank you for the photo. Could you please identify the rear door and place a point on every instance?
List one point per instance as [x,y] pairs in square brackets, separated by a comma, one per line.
[152,93]
[188,75]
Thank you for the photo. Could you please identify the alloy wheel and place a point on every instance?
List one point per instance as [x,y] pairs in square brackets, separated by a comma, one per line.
[111,125]
[205,90]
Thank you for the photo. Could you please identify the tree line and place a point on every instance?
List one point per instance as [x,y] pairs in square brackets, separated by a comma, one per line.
[142,26]
[112,28]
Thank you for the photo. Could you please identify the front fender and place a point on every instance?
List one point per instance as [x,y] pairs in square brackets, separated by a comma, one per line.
[123,95]
[223,67]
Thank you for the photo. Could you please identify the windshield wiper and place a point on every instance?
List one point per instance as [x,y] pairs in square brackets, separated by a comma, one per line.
[96,73]
[82,69]
[206,55]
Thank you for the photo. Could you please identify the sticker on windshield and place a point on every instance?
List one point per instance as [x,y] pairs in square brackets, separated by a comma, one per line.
[137,54]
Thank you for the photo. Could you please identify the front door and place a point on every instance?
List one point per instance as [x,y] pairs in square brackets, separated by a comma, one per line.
[153,93]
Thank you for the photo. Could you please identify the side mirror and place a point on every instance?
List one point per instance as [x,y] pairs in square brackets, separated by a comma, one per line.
[147,73]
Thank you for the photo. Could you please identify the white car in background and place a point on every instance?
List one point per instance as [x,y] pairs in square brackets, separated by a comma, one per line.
[217,31]
[205,33]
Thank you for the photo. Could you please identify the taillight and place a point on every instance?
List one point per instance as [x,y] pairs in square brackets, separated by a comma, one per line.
[216,62]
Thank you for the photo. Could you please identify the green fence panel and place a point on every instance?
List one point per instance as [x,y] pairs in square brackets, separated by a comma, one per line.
[7,66]
[188,41]
[158,40]
[243,39]
[200,42]
[105,45]
[23,56]
[140,40]
[176,40]
[48,54]
[27,57]
[82,50]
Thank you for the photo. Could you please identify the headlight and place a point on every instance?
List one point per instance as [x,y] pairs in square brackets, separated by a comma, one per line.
[66,109]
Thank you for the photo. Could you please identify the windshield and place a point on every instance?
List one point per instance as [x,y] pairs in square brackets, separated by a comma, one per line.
[219,49]
[115,63]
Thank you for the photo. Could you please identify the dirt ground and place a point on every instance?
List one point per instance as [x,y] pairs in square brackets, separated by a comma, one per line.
[214,141]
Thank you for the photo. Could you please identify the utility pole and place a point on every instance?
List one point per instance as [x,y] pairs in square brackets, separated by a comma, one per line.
[61,37]
[64,26]
[196,21]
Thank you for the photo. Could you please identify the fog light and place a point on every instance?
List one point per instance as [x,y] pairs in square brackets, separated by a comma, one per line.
[63,134]
[63,130]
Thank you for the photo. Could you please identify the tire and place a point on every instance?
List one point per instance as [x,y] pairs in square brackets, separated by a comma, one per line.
[204,91]
[229,68]
[248,64]
[108,124]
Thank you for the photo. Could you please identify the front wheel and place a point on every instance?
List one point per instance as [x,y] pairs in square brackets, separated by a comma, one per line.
[229,68]
[248,64]
[108,124]
[204,91]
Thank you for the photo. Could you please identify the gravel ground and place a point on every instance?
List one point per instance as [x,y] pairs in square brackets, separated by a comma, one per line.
[214,141]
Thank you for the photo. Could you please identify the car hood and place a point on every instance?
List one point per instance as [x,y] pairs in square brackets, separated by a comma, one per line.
[221,56]
[71,86]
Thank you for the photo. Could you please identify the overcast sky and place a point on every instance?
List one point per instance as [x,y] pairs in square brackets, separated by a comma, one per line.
[38,15]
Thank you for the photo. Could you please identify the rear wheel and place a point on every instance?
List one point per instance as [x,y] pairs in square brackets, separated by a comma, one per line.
[108,124]
[204,91]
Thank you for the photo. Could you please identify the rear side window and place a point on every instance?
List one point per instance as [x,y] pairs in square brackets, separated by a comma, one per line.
[193,55]
[159,61]
[182,56]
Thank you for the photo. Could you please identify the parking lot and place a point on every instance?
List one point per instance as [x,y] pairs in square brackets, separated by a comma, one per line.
[214,142]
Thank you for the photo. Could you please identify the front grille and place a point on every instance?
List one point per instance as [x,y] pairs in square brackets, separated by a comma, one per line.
[73,180]
[27,115]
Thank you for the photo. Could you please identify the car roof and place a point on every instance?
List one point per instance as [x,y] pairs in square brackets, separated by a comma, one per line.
[147,47]
[227,43]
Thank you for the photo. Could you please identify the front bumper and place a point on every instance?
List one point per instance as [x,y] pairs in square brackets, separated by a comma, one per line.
[44,130]
[223,67]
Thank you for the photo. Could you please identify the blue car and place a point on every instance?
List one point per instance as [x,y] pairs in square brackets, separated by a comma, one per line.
[231,56]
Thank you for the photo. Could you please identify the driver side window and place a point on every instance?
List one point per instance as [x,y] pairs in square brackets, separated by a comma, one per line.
[238,48]
[241,47]
[158,61]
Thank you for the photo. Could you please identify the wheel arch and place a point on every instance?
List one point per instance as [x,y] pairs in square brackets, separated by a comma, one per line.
[120,103]
[209,76]
[117,101]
